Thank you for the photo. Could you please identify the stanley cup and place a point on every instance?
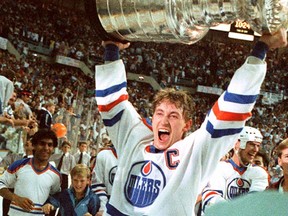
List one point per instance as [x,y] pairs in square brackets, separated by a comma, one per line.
[181,21]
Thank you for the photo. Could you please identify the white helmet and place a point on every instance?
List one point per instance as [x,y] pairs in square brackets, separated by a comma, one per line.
[249,134]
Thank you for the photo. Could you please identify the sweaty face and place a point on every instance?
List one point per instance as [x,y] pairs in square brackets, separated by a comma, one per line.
[247,155]
[168,125]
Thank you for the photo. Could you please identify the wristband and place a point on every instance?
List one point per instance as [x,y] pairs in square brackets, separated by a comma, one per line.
[260,50]
[111,52]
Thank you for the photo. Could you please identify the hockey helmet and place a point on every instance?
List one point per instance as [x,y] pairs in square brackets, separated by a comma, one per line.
[249,134]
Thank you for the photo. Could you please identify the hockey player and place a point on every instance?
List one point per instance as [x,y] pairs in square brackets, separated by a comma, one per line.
[104,172]
[33,179]
[160,171]
[238,175]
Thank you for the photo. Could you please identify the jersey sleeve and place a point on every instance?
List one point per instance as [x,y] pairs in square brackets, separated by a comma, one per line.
[98,181]
[215,189]
[9,177]
[118,114]
[223,123]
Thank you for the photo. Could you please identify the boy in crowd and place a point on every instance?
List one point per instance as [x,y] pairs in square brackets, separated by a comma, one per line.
[65,162]
[78,199]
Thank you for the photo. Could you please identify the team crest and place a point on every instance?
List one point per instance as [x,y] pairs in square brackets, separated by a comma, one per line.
[112,174]
[144,183]
[237,187]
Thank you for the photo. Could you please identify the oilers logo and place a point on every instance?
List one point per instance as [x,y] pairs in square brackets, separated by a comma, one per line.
[144,183]
[237,187]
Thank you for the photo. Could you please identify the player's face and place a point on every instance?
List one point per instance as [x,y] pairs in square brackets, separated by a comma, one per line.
[248,154]
[43,150]
[168,125]
[283,161]
[80,183]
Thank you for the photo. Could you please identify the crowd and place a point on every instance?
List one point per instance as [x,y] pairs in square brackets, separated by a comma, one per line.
[72,92]
[213,68]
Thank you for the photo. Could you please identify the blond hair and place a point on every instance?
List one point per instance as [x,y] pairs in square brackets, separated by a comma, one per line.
[81,170]
[283,145]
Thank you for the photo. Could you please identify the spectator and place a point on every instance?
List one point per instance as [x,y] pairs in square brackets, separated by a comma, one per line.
[65,163]
[164,157]
[45,117]
[282,152]
[24,99]
[261,159]
[33,179]
[6,92]
[82,157]
[77,200]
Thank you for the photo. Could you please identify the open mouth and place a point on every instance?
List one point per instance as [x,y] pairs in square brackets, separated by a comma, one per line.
[163,135]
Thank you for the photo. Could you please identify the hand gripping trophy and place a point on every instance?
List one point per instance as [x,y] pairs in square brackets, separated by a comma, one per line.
[181,21]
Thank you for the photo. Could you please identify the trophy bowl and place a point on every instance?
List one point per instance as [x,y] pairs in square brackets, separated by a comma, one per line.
[180,21]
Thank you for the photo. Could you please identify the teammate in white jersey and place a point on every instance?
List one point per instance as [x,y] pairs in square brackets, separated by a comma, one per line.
[238,175]
[160,171]
[104,173]
[33,179]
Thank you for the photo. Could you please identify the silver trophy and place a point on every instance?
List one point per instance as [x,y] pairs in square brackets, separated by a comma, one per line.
[181,21]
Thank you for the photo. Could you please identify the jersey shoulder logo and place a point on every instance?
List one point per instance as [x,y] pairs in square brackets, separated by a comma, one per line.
[144,183]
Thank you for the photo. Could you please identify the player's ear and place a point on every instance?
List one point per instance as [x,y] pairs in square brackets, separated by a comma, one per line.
[188,125]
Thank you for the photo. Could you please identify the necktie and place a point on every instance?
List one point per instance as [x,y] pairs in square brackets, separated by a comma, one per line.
[80,158]
[60,162]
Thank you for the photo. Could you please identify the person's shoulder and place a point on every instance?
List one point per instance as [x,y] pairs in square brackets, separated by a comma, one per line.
[53,168]
[258,171]
[55,156]
[18,164]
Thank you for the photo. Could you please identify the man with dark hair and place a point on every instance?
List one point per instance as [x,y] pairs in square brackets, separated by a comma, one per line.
[24,99]
[33,179]
[261,159]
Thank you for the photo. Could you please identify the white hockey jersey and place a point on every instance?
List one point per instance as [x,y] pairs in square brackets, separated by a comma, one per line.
[230,181]
[103,174]
[29,182]
[153,182]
